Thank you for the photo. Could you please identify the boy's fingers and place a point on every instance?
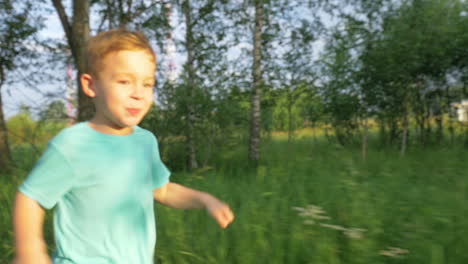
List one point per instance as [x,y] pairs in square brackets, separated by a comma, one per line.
[221,219]
[227,217]
[229,214]
[223,216]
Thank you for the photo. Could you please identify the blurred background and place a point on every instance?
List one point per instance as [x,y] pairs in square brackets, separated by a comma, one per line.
[337,130]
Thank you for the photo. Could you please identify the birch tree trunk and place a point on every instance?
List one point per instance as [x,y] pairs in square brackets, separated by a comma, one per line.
[192,154]
[77,34]
[255,122]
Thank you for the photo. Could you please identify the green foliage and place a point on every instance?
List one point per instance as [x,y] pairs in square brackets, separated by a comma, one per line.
[299,108]
[21,127]
[394,60]
[55,111]
[15,28]
[216,123]
[23,130]
[341,93]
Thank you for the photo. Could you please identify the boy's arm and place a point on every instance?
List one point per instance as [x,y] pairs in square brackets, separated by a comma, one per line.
[177,196]
[28,219]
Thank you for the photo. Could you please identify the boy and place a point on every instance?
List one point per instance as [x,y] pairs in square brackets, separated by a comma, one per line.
[102,175]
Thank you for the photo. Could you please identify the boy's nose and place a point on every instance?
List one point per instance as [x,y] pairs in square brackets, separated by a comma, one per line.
[137,92]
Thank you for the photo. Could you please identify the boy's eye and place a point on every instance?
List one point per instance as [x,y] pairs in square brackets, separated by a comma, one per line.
[124,82]
[148,85]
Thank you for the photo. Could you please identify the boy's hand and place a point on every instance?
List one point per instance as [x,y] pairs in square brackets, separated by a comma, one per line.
[219,211]
[177,196]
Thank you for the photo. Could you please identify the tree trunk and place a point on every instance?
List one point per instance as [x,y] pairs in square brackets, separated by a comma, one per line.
[420,120]
[290,121]
[450,125]
[393,130]
[255,122]
[80,30]
[365,138]
[438,117]
[327,134]
[451,130]
[465,91]
[440,128]
[77,36]
[192,154]
[314,136]
[465,95]
[404,140]
[5,154]
[382,132]
[428,128]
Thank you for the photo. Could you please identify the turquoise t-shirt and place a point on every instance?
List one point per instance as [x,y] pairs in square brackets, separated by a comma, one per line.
[102,189]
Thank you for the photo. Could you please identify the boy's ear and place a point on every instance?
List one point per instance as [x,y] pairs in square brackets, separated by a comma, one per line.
[87,84]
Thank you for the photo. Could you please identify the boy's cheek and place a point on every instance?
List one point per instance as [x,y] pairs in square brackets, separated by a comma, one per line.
[147,107]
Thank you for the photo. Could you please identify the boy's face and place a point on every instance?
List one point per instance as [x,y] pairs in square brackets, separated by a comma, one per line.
[123,88]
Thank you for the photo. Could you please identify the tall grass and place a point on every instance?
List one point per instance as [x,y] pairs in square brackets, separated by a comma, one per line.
[314,202]
[407,209]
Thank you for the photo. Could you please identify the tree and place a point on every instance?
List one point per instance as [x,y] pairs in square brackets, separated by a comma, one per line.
[22,127]
[192,95]
[264,29]
[341,93]
[77,33]
[295,71]
[191,86]
[255,120]
[124,14]
[55,111]
[15,29]
[405,66]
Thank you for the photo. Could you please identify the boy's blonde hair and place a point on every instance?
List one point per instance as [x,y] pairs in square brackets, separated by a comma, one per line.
[99,46]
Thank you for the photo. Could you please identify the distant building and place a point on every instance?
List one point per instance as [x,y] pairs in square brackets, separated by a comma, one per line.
[462,110]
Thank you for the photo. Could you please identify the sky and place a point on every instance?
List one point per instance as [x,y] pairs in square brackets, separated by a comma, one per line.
[14,95]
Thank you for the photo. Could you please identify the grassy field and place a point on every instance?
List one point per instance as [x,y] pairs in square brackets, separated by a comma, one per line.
[311,203]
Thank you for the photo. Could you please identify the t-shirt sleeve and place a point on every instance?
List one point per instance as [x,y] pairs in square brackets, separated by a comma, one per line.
[160,172]
[50,179]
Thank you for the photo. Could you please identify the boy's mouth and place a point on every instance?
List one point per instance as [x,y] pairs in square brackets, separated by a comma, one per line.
[133,111]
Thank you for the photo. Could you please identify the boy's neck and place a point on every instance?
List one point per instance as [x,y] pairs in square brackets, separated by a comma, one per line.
[104,128]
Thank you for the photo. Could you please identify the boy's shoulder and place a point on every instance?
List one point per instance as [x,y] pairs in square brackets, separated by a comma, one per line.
[147,134]
[81,132]
[70,134]
[143,134]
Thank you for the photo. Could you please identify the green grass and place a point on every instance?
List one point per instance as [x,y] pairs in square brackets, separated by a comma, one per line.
[416,203]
